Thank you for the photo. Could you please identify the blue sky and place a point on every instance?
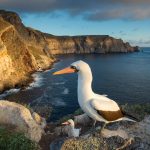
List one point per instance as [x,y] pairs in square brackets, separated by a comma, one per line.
[125,19]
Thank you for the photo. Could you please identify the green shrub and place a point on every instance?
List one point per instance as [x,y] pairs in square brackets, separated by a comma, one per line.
[15,141]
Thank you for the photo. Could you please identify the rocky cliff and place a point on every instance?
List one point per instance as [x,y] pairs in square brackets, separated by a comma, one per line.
[24,50]
[87,44]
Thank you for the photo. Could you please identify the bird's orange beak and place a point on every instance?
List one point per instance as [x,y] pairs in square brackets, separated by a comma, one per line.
[64,71]
[65,123]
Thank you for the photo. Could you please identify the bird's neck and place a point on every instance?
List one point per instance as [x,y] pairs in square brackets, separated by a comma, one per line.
[85,85]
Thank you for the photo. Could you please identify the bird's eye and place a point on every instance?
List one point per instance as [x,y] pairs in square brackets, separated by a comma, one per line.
[73,67]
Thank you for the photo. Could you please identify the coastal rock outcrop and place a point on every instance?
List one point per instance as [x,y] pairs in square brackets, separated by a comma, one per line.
[119,136]
[22,51]
[87,44]
[14,114]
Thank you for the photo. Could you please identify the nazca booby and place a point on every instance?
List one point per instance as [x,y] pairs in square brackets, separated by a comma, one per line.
[72,131]
[96,106]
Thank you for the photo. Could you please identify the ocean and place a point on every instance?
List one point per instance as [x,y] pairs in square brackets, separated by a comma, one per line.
[125,78]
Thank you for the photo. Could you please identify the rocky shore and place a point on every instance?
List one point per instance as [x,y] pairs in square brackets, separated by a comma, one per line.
[24,50]
[119,136]
[51,136]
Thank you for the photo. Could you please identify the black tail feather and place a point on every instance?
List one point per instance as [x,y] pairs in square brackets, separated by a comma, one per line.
[129,116]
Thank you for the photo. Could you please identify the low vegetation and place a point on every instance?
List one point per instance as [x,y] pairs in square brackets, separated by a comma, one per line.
[137,110]
[10,140]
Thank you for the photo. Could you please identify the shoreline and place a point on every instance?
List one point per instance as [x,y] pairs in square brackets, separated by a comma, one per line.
[32,78]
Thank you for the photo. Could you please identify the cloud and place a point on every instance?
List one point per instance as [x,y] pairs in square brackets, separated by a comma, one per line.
[142,42]
[94,10]
[146,42]
[130,13]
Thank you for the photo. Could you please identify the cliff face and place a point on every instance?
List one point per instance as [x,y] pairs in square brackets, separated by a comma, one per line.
[24,50]
[87,44]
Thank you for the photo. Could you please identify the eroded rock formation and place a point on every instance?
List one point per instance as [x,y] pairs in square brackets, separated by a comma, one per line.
[87,44]
[22,51]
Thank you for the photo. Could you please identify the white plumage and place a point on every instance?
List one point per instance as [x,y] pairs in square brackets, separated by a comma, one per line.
[94,105]
[98,107]
[71,130]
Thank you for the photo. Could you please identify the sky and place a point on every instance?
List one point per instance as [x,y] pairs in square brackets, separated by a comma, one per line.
[125,19]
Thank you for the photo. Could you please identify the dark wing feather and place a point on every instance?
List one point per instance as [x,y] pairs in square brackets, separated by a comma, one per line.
[126,114]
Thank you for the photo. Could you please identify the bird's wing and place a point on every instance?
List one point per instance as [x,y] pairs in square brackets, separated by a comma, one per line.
[108,109]
[104,104]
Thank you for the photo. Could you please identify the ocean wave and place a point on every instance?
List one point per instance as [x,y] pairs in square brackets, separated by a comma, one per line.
[66,91]
[38,81]
[58,102]
[58,83]
[46,99]
[9,92]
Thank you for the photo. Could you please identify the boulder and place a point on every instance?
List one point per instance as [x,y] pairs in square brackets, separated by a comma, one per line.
[82,119]
[141,130]
[39,120]
[14,114]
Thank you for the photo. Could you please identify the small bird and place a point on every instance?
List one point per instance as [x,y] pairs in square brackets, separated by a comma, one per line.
[96,106]
[71,130]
